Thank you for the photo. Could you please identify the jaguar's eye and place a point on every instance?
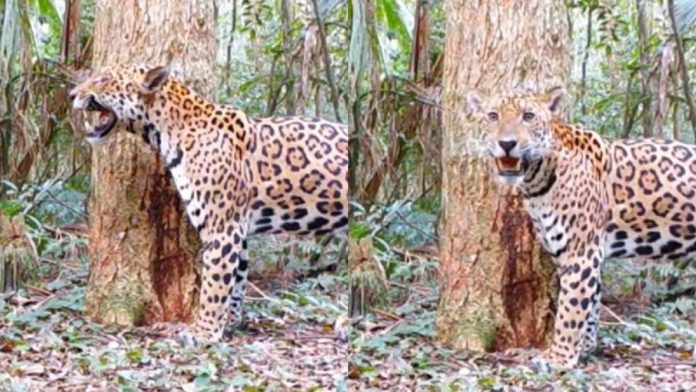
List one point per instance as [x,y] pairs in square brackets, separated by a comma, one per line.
[528,116]
[493,116]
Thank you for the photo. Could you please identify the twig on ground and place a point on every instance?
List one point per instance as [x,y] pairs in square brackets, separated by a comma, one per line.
[38,290]
[616,316]
[389,328]
[58,263]
[258,291]
[41,303]
[387,314]
[669,363]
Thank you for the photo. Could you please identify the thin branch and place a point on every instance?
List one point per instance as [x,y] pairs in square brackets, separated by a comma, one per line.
[230,44]
[585,59]
[629,111]
[290,94]
[327,61]
[682,66]
[646,93]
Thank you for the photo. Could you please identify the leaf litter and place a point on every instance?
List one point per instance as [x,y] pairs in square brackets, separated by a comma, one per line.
[395,349]
[293,339]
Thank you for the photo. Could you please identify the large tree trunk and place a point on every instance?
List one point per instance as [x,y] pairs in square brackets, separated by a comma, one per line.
[142,249]
[496,288]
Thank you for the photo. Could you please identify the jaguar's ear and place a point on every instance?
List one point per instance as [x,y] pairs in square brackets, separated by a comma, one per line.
[154,79]
[473,99]
[553,98]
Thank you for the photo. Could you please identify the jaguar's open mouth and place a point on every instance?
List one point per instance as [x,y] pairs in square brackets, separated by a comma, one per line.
[106,121]
[510,166]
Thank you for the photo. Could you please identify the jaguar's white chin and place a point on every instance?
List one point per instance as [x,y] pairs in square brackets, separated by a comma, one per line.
[510,170]
[512,180]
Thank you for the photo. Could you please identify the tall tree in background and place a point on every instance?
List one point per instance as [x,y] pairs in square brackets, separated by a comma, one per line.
[496,287]
[142,250]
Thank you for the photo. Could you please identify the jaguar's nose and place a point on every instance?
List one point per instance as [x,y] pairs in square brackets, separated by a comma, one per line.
[507,145]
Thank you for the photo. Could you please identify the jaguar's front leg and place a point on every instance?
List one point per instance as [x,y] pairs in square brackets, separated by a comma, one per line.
[237,301]
[590,343]
[221,258]
[577,300]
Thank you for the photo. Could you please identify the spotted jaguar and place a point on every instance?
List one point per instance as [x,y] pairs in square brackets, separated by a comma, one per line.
[589,199]
[237,175]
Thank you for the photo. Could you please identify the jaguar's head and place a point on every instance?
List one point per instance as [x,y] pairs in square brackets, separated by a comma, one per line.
[516,128]
[118,95]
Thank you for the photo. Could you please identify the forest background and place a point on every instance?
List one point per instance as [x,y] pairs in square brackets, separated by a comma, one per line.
[378,66]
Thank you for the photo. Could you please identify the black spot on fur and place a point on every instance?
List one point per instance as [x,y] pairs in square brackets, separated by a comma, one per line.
[290,226]
[644,250]
[670,247]
[317,223]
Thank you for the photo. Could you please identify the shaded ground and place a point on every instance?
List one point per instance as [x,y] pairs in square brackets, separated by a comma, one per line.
[654,350]
[294,340]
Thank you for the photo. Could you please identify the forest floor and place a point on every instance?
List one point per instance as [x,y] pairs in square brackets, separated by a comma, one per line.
[293,339]
[651,350]
[292,342]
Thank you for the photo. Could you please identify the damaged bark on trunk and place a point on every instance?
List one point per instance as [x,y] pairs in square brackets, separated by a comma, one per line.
[142,248]
[497,290]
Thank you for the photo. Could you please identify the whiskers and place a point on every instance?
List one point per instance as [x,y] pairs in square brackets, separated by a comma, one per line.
[534,153]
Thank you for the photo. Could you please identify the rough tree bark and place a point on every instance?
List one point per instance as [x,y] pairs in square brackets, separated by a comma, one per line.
[496,289]
[142,250]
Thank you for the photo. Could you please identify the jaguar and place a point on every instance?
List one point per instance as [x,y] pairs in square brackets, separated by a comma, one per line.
[589,199]
[237,175]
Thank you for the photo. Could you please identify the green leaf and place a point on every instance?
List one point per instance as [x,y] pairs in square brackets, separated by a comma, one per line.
[395,24]
[486,382]
[396,20]
[48,10]
[367,371]
[135,356]
[358,230]
[10,207]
